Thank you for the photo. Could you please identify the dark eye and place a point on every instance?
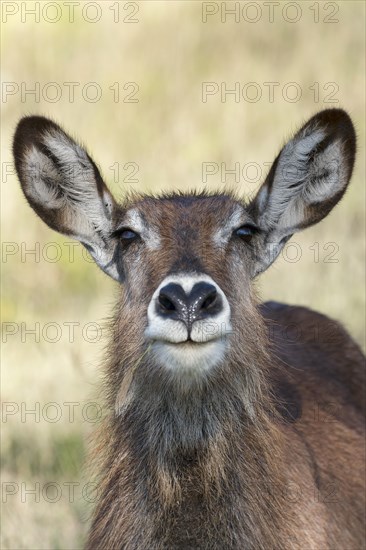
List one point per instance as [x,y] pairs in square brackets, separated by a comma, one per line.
[125,234]
[246,232]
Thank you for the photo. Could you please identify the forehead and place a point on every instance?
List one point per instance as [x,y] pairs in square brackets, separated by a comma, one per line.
[185,212]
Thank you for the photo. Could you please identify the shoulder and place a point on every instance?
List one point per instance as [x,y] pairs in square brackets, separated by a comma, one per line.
[307,345]
[298,323]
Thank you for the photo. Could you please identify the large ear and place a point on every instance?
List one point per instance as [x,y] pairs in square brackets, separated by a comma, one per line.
[307,179]
[63,186]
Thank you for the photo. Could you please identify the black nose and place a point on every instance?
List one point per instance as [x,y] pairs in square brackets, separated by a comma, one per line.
[202,302]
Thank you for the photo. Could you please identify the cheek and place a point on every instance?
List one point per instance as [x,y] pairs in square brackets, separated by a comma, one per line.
[234,278]
[229,270]
[141,277]
[136,281]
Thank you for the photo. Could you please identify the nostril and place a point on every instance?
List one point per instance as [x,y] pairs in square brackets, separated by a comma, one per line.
[210,300]
[171,302]
[204,301]
[166,303]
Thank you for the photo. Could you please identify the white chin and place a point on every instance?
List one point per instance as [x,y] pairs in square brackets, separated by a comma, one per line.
[189,358]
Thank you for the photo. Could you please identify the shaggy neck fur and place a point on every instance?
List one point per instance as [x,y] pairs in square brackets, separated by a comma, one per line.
[188,467]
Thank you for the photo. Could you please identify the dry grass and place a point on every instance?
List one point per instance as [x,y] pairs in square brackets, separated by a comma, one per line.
[169,133]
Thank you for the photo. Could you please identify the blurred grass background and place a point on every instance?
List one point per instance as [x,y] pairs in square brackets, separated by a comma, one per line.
[168,133]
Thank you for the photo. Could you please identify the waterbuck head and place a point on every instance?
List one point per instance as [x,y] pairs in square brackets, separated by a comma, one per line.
[185,261]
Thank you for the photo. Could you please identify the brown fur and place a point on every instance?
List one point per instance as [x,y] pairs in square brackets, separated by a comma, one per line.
[266,450]
[246,460]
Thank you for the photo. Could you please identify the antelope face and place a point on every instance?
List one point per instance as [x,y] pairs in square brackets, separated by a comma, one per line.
[188,259]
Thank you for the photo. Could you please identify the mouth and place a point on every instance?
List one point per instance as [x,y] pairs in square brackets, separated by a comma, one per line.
[188,356]
[186,343]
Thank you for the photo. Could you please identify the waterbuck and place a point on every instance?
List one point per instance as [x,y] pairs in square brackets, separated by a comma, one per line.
[233,424]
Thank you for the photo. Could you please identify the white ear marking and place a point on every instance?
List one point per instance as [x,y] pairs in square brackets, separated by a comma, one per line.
[306,181]
[291,172]
[63,185]
[107,201]
[38,167]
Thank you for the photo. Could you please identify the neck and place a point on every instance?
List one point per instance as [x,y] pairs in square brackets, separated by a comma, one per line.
[178,458]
